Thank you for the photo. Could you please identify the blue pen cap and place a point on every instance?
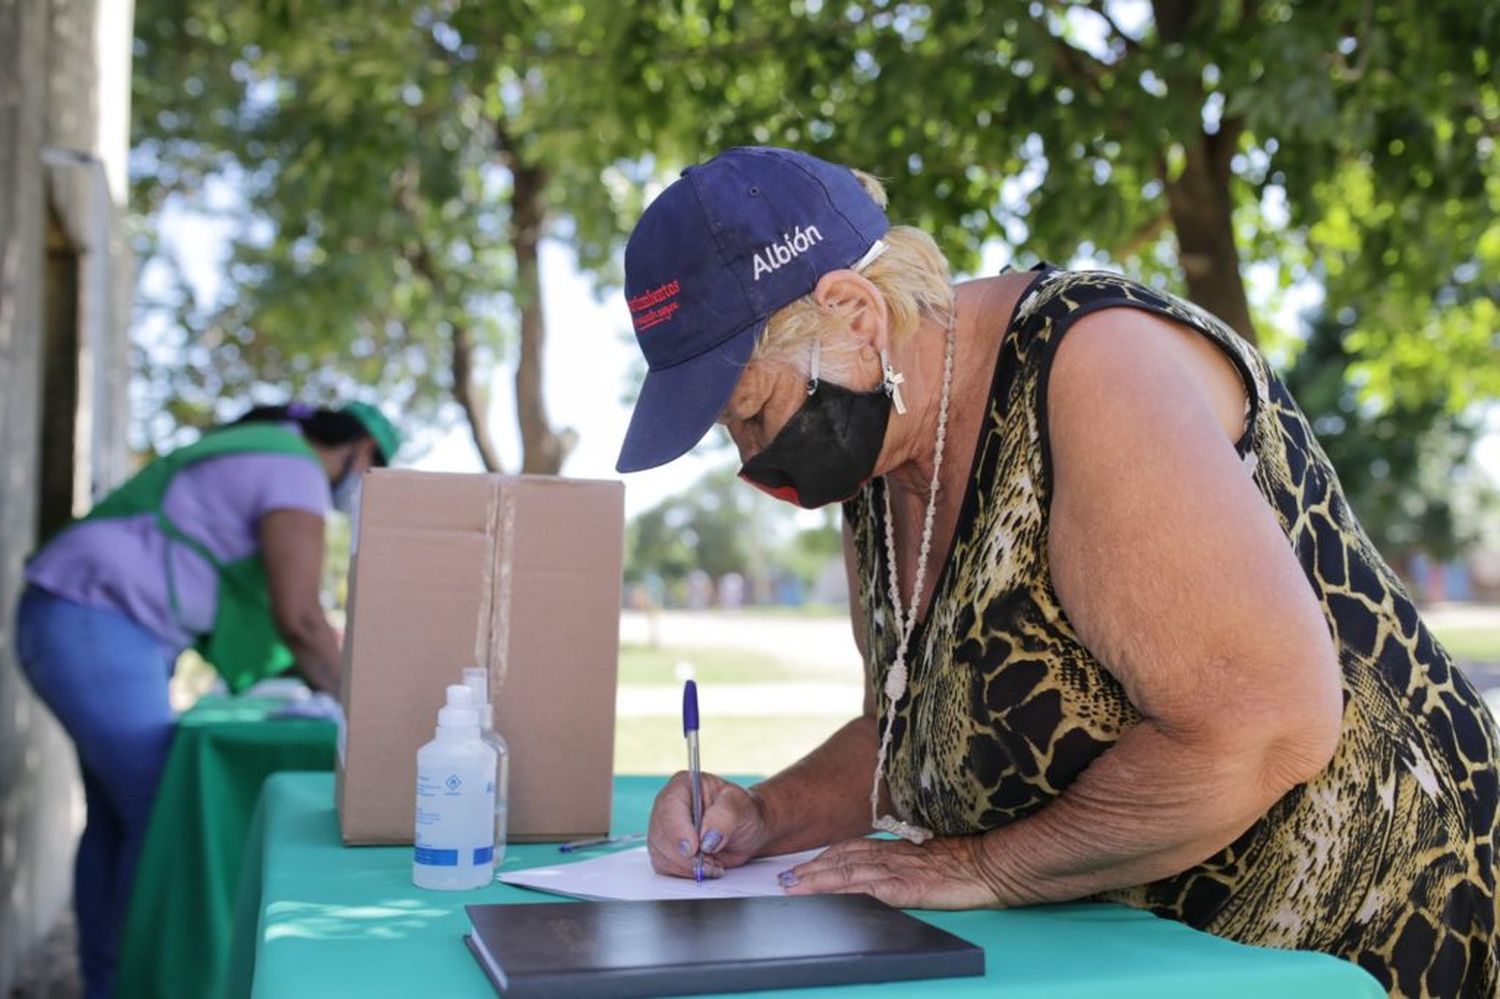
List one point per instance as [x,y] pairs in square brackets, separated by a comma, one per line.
[689,707]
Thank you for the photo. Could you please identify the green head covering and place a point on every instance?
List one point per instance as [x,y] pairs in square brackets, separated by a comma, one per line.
[387,437]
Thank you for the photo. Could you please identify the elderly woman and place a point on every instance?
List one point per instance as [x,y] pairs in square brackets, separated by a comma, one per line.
[1124,637]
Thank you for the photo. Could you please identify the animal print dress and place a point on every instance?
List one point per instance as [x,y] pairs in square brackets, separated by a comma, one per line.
[1386,858]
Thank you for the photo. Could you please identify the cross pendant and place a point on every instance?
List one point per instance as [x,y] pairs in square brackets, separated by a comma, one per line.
[893,382]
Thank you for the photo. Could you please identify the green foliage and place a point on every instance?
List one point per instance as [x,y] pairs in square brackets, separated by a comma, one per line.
[347,191]
[378,143]
[807,553]
[1404,467]
[1358,138]
[374,151]
[719,525]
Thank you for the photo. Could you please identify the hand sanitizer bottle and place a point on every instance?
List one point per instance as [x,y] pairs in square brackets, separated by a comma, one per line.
[477,679]
[455,846]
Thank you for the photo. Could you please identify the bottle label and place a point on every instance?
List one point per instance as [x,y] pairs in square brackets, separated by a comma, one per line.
[433,857]
[484,855]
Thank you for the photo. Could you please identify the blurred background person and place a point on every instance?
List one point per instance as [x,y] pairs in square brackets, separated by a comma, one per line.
[216,546]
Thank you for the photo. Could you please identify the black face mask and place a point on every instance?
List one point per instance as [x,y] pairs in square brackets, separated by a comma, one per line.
[828,449]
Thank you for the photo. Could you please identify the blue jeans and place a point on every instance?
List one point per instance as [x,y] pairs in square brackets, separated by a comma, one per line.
[105,678]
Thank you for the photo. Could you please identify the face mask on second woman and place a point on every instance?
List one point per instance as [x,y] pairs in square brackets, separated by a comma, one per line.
[346,490]
[828,449]
[346,495]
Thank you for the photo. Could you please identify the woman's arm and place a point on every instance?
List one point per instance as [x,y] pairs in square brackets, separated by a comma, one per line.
[1175,574]
[291,545]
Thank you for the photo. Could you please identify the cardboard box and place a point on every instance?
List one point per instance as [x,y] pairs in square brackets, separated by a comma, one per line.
[519,574]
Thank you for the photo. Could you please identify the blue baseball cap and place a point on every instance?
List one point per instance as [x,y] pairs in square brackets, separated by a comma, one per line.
[726,245]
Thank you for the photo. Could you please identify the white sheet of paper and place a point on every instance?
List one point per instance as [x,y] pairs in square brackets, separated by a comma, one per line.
[627,875]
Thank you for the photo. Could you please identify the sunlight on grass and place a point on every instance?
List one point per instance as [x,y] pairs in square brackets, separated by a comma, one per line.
[731,745]
[1480,645]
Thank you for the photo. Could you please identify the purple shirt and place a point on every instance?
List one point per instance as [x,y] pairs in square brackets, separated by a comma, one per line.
[120,563]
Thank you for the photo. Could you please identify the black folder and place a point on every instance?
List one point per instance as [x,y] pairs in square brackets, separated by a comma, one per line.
[615,950]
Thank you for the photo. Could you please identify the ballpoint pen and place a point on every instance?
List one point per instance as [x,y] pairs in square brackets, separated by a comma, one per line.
[695,774]
[583,844]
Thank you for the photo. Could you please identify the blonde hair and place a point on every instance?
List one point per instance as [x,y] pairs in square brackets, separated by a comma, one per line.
[911,275]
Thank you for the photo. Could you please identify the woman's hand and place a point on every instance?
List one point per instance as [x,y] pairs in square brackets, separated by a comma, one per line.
[734,827]
[950,872]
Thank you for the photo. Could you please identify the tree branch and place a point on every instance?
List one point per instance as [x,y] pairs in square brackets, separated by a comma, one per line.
[1353,74]
[543,449]
[1143,235]
[1173,18]
[1084,70]
[472,400]
[1224,144]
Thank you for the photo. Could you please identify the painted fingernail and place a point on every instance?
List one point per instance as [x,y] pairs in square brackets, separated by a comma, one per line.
[684,848]
[787,879]
[711,841]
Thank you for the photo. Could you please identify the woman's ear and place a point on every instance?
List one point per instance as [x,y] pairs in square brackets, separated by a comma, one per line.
[750,393]
[853,295]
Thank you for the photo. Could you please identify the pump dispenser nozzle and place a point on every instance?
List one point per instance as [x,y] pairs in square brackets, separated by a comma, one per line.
[459,712]
[477,679]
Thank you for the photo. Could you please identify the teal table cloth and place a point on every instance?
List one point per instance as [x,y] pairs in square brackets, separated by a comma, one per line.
[177,932]
[318,919]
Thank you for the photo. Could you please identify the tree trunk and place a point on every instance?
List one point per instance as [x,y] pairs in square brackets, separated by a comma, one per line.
[1200,203]
[1199,199]
[543,450]
[472,399]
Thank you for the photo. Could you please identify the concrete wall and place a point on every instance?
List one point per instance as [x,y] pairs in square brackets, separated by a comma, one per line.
[64,122]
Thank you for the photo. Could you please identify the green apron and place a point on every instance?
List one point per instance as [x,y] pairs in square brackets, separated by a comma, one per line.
[244,645]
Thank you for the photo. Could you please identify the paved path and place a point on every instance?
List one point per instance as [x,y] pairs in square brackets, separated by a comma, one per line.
[1440,616]
[825,644]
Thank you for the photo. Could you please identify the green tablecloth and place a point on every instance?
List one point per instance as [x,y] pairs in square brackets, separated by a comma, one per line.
[319,919]
[176,936]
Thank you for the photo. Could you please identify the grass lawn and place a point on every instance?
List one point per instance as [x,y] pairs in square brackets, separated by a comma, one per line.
[1471,644]
[735,745]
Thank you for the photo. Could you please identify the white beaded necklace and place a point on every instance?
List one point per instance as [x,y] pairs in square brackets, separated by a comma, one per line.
[906,621]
